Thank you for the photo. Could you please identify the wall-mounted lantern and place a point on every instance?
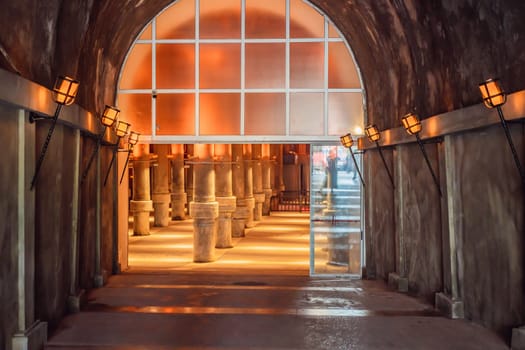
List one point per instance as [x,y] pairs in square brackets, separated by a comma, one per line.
[494,97]
[121,130]
[133,139]
[108,119]
[373,134]
[347,141]
[64,93]
[412,125]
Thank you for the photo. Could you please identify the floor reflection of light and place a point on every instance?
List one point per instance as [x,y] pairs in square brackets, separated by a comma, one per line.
[238,287]
[157,259]
[206,310]
[277,249]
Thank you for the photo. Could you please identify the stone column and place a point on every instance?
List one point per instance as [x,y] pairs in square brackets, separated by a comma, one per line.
[241,210]
[204,207]
[248,184]
[224,195]
[189,178]
[178,196]
[258,193]
[161,188]
[26,333]
[141,204]
[266,178]
[279,175]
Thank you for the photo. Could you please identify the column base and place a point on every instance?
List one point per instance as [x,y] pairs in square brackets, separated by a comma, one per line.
[100,280]
[258,210]
[178,202]
[34,338]
[75,302]
[204,230]
[161,209]
[224,222]
[266,205]
[397,282]
[250,204]
[240,216]
[141,210]
[448,306]
[518,338]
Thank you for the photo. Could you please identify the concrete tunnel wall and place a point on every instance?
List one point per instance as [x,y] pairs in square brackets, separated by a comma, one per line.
[413,55]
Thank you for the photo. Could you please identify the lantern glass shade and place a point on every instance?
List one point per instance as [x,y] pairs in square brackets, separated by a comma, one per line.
[65,90]
[411,123]
[372,133]
[492,93]
[347,141]
[109,116]
[133,138]
[122,128]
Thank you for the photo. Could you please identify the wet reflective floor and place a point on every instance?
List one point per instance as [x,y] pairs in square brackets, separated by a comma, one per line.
[201,306]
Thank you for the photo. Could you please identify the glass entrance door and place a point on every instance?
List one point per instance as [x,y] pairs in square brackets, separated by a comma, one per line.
[335,214]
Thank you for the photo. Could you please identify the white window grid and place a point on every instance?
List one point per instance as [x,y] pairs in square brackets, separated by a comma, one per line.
[287,90]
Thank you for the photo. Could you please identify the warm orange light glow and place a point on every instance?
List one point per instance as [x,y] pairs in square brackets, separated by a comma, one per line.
[109,116]
[122,128]
[492,93]
[65,90]
[411,123]
[133,138]
[372,133]
[347,141]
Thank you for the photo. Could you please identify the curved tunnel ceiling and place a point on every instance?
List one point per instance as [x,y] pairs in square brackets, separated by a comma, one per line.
[424,56]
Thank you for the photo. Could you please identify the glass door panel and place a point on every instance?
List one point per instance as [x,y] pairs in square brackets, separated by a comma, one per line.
[335,212]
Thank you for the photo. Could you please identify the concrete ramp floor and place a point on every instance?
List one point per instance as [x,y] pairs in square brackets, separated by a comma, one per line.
[253,299]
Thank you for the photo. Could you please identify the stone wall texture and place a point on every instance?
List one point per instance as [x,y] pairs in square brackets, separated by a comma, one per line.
[54,197]
[9,227]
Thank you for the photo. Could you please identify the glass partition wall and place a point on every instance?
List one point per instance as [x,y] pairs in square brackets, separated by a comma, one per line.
[335,209]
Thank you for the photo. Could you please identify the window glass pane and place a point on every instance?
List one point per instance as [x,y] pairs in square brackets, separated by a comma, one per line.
[306,114]
[345,113]
[220,114]
[342,72]
[265,114]
[136,110]
[175,114]
[265,65]
[305,22]
[332,31]
[146,33]
[220,19]
[219,66]
[306,65]
[265,19]
[177,21]
[137,69]
[175,66]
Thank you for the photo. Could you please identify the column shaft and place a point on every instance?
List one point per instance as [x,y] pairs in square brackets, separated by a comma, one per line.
[141,204]
[204,207]
[178,196]
[189,178]
[241,211]
[266,178]
[161,188]
[258,193]
[224,195]
[248,184]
